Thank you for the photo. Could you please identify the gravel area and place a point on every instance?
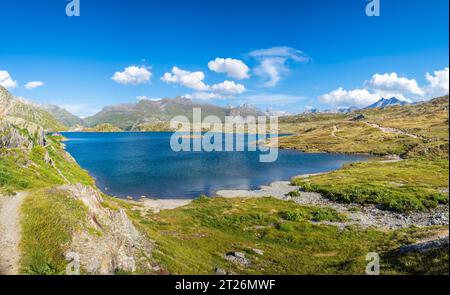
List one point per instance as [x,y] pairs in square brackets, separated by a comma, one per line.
[365,216]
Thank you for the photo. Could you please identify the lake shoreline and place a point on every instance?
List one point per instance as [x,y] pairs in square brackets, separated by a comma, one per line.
[100,155]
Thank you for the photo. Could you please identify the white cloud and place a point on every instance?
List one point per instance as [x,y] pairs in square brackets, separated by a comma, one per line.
[34,84]
[271,70]
[356,97]
[273,63]
[7,81]
[202,95]
[234,68]
[389,84]
[287,52]
[133,75]
[438,84]
[193,80]
[143,97]
[228,88]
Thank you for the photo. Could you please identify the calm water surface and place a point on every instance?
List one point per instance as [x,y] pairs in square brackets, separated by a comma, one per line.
[143,164]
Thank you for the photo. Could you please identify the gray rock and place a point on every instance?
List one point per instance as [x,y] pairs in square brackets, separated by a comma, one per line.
[259,252]
[118,246]
[220,272]
[425,246]
[237,258]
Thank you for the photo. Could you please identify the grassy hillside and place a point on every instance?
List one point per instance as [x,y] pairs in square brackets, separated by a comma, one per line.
[103,128]
[418,133]
[277,237]
[413,185]
[424,125]
[23,169]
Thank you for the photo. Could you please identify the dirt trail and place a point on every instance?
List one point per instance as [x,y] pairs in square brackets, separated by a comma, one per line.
[10,233]
[335,130]
[391,130]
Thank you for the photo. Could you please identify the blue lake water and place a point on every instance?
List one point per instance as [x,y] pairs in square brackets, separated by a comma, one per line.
[143,164]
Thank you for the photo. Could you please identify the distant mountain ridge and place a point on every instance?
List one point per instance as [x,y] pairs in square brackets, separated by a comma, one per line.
[384,103]
[130,116]
[63,116]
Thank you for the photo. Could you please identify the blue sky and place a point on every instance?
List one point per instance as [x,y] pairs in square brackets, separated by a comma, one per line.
[288,55]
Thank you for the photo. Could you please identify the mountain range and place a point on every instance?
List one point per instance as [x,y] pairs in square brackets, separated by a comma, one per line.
[144,115]
[130,116]
[384,103]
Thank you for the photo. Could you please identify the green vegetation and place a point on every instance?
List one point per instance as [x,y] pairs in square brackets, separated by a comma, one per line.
[347,137]
[103,128]
[49,218]
[434,262]
[399,186]
[429,120]
[194,239]
[22,169]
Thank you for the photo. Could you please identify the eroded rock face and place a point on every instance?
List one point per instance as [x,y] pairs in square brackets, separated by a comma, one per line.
[111,243]
[18,133]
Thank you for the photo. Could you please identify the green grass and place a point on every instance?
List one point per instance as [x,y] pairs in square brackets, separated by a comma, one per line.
[410,185]
[434,262]
[195,238]
[22,169]
[49,218]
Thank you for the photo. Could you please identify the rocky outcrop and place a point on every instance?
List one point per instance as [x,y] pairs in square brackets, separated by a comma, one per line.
[425,246]
[111,243]
[18,133]
[5,101]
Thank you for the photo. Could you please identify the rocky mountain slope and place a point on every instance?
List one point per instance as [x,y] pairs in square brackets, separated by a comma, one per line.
[21,108]
[63,116]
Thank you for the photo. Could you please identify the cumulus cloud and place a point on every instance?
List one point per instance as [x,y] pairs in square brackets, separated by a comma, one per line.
[192,80]
[356,97]
[222,90]
[203,91]
[438,84]
[133,75]
[34,84]
[392,83]
[273,63]
[7,81]
[234,68]
[228,88]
